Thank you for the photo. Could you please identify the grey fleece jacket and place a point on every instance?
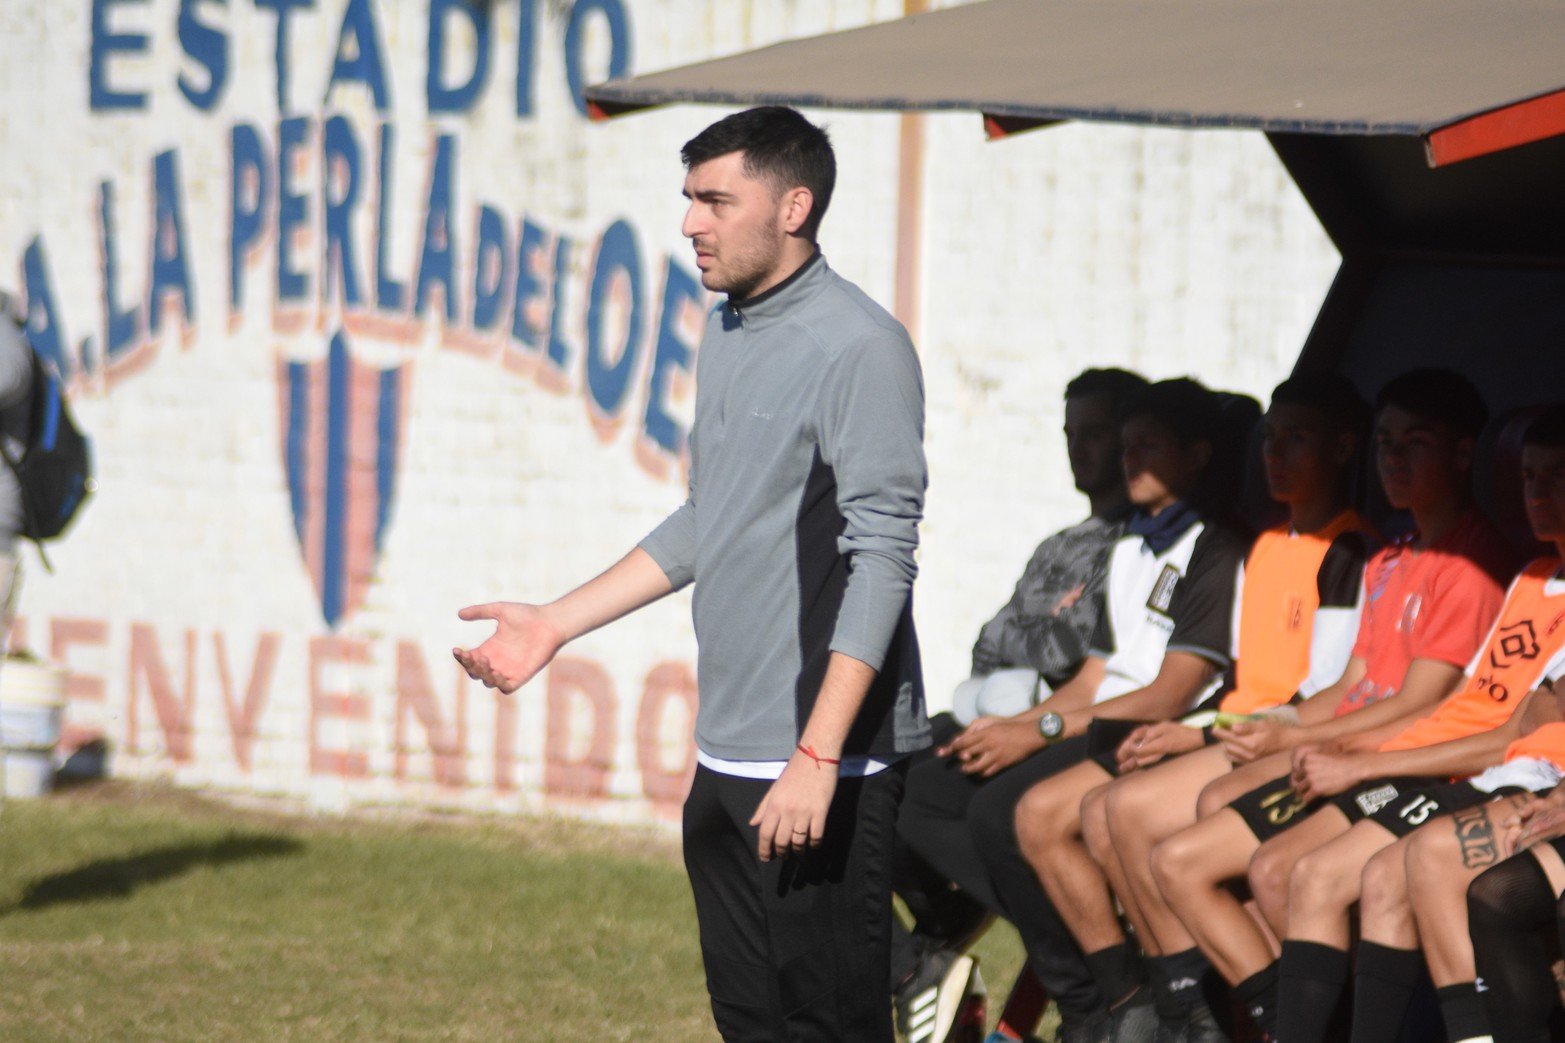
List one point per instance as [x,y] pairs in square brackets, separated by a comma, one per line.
[807,485]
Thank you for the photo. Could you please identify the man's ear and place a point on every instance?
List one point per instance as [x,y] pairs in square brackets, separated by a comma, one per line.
[798,204]
[1200,454]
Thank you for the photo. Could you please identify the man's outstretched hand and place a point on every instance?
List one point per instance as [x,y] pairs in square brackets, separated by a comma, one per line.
[523,643]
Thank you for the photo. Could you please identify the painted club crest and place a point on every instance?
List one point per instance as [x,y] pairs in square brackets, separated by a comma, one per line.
[342,422]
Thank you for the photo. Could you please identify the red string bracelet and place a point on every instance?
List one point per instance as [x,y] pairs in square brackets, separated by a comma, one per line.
[817,758]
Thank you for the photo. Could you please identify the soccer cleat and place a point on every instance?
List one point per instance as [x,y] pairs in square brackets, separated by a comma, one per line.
[1134,1020]
[973,1012]
[926,1006]
[1094,1029]
[1196,1026]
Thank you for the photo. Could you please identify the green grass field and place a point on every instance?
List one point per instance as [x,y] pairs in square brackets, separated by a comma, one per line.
[145,913]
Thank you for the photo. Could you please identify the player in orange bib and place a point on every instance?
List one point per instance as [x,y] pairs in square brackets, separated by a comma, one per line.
[1381,796]
[1415,892]
[1429,600]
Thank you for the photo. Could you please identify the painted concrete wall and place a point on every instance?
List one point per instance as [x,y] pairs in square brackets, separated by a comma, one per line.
[368,323]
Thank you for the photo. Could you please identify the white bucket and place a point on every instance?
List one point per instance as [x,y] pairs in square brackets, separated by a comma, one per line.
[32,706]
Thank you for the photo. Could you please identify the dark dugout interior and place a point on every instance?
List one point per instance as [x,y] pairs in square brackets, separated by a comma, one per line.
[1461,267]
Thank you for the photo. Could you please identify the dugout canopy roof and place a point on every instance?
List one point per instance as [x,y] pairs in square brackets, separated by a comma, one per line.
[1427,135]
[1466,77]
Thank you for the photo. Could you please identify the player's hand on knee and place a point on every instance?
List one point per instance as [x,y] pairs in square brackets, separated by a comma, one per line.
[978,725]
[1323,773]
[992,749]
[1166,739]
[1510,822]
[1297,765]
[524,641]
[1248,741]
[1546,822]
[1128,755]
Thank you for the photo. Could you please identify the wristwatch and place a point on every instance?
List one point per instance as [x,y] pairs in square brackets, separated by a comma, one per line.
[1051,726]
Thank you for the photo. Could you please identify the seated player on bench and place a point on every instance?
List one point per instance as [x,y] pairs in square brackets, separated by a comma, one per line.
[1429,600]
[1298,618]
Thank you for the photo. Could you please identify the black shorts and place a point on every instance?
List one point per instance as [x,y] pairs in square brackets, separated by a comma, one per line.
[1270,808]
[1402,805]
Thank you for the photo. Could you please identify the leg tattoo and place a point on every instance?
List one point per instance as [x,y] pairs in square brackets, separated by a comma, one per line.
[1475,835]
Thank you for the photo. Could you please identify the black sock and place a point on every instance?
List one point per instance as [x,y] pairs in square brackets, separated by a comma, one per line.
[1310,977]
[1157,980]
[1118,971]
[1179,976]
[1506,907]
[1258,993]
[1463,1011]
[1383,983]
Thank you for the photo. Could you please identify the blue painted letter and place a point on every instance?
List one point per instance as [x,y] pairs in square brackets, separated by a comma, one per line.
[340,192]
[461,97]
[283,8]
[491,268]
[43,319]
[526,37]
[170,271]
[121,328]
[435,264]
[679,289]
[609,381]
[390,295]
[365,66]
[559,351]
[209,47]
[613,12]
[291,207]
[249,190]
[529,288]
[104,43]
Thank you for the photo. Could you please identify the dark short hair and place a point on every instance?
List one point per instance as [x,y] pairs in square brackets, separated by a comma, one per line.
[1116,385]
[1330,394]
[1547,430]
[1439,395]
[780,146]
[1184,406]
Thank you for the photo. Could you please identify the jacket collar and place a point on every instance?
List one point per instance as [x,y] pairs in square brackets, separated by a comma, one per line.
[774,303]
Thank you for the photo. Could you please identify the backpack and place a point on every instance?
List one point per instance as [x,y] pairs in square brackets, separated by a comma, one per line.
[55,469]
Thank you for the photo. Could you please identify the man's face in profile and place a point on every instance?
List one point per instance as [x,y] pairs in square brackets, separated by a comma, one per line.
[1159,469]
[1543,483]
[1093,444]
[736,223]
[1422,463]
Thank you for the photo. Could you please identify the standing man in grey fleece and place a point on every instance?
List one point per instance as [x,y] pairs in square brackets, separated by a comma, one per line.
[807,485]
